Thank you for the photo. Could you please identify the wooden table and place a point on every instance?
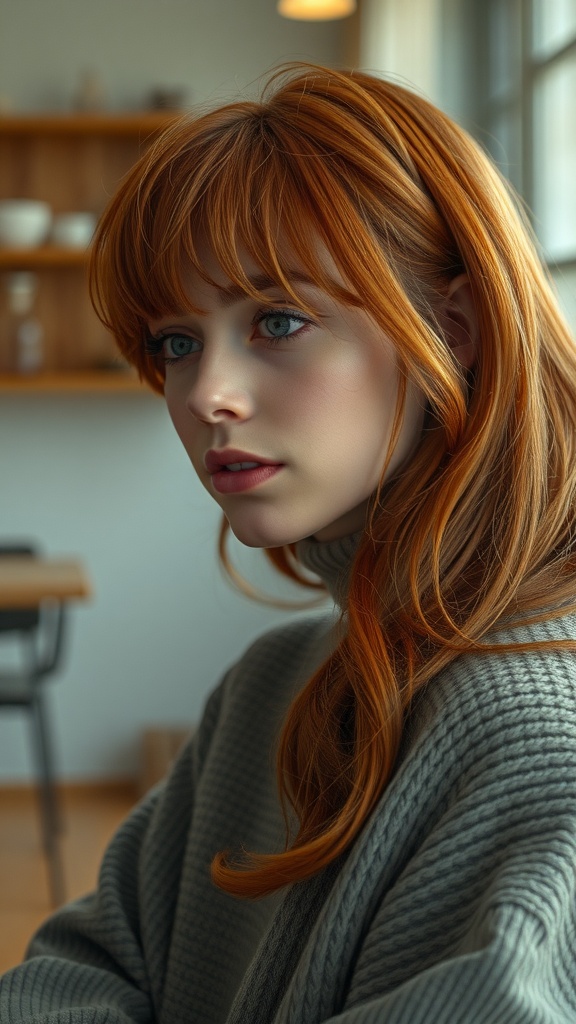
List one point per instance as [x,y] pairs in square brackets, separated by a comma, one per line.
[26,580]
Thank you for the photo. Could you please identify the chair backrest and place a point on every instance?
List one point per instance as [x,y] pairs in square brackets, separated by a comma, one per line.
[18,620]
[42,629]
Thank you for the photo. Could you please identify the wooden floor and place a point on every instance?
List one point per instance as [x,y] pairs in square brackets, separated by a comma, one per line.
[91,814]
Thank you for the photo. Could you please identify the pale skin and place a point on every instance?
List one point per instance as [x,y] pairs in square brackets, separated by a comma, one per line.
[312,397]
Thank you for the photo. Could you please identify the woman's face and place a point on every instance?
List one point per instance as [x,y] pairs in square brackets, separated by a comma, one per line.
[286,418]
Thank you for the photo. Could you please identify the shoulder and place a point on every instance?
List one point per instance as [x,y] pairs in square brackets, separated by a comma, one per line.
[499,727]
[285,656]
[294,635]
[248,705]
[508,686]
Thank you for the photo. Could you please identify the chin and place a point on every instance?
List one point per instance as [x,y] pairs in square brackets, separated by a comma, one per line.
[266,531]
[250,539]
[260,536]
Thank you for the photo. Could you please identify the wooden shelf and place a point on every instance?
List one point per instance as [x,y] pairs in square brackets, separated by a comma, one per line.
[87,381]
[72,161]
[139,124]
[42,256]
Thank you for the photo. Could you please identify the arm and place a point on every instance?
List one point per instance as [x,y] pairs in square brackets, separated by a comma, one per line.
[458,903]
[507,968]
[101,959]
[480,925]
[87,960]
[86,963]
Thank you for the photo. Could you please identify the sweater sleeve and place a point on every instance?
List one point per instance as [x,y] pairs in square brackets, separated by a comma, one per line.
[490,925]
[507,969]
[458,906]
[480,923]
[101,959]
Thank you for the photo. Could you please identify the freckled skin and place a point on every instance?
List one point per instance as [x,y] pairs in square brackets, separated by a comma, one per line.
[320,400]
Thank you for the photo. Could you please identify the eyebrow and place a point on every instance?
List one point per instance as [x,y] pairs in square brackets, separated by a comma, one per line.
[260,282]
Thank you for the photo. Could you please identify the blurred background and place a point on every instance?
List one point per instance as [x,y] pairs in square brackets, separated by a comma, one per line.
[89,463]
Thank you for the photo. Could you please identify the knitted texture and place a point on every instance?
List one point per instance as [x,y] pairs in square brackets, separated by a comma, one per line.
[456,904]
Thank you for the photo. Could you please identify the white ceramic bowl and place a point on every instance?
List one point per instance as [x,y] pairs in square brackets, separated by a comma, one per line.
[24,223]
[73,230]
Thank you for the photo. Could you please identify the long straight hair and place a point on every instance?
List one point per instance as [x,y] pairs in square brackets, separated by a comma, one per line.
[478,526]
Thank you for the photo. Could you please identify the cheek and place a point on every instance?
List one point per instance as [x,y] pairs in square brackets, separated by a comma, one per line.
[361,395]
[340,410]
[311,405]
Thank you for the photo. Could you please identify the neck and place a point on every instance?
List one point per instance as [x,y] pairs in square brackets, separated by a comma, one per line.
[331,561]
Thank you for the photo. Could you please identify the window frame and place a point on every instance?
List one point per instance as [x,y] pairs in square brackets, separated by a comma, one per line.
[518,102]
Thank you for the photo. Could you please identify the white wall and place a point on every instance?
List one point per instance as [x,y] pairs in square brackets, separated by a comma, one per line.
[104,477]
[211,47]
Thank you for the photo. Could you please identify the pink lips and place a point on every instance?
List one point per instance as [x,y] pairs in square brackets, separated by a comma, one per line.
[228,481]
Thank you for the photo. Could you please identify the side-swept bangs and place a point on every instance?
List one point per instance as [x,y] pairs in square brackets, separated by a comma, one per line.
[285,183]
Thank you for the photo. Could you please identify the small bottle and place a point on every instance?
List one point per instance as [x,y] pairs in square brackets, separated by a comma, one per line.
[27,331]
[90,95]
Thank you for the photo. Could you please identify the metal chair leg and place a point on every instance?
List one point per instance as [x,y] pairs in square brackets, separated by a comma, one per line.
[49,806]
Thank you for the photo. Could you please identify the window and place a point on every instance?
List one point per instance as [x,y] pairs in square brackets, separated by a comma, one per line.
[527,76]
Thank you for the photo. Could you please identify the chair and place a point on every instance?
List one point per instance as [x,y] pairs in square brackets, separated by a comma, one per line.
[40,634]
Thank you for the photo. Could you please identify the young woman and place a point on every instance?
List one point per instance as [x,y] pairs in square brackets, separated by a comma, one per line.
[366,365]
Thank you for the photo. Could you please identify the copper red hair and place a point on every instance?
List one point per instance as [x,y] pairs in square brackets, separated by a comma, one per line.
[479,525]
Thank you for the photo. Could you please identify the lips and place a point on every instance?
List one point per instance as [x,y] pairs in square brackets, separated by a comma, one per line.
[217,462]
[233,471]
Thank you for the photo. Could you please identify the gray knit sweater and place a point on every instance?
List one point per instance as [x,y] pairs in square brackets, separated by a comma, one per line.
[456,905]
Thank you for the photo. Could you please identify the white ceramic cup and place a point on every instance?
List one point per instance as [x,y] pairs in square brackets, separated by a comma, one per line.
[24,223]
[73,230]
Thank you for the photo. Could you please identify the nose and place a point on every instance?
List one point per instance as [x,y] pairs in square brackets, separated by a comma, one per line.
[222,389]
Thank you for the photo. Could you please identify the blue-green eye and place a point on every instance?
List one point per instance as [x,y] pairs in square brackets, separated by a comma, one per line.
[171,347]
[176,346]
[279,324]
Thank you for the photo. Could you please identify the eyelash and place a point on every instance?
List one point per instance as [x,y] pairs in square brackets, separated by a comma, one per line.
[154,344]
[290,314]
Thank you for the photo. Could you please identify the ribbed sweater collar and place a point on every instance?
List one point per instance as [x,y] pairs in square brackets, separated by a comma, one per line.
[331,561]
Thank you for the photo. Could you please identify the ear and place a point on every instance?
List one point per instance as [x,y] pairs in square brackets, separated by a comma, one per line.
[459,323]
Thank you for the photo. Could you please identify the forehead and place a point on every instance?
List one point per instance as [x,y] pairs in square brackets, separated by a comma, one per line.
[243,276]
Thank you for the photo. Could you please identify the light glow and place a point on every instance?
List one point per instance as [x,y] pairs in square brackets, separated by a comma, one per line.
[316,10]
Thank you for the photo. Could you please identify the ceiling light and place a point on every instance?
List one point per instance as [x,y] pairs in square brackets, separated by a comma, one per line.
[316,10]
